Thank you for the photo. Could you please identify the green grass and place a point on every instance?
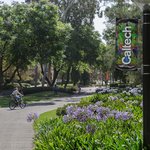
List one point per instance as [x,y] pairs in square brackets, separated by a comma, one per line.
[45,116]
[4,101]
[44,96]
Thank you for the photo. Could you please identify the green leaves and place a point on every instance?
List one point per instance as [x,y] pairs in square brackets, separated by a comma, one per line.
[109,134]
[30,32]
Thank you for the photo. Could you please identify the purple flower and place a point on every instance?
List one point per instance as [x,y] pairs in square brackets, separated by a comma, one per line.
[92,107]
[98,103]
[90,113]
[113,98]
[90,128]
[81,114]
[29,117]
[93,112]
[70,110]
[110,115]
[122,115]
[32,116]
[118,115]
[36,116]
[126,116]
[141,105]
[98,117]
[66,118]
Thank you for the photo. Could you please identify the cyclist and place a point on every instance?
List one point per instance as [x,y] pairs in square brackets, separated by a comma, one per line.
[16,94]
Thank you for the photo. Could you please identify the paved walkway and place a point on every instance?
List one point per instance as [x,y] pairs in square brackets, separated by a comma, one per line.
[15,132]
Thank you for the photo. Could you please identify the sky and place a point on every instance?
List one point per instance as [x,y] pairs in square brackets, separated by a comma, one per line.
[98,22]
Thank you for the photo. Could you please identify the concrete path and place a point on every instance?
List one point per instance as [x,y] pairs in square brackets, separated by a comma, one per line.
[15,132]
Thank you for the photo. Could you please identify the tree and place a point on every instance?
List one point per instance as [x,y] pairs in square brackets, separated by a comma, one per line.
[19,55]
[58,61]
[48,34]
[82,49]
[5,39]
[78,12]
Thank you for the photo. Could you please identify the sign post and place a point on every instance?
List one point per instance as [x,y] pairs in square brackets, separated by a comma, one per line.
[126,44]
[146,76]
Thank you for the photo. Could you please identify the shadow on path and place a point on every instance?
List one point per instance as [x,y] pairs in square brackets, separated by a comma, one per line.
[41,104]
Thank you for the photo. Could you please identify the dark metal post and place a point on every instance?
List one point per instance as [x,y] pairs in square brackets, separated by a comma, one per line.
[146,76]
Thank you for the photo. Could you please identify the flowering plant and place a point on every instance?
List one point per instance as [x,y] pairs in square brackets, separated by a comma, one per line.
[32,117]
[106,123]
[93,112]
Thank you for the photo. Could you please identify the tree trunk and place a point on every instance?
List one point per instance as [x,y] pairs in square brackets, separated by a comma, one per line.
[43,71]
[1,71]
[20,79]
[56,72]
[68,76]
[62,78]
[35,75]
[13,75]
[102,78]
[50,72]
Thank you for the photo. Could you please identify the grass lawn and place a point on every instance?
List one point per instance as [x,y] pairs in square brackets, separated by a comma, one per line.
[30,98]
[47,115]
[4,100]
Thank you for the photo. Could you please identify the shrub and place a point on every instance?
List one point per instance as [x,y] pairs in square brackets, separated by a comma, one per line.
[9,86]
[116,134]
[113,122]
[114,85]
[99,97]
[61,111]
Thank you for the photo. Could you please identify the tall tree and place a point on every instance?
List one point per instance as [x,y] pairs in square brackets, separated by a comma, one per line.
[48,33]
[5,39]
[83,48]
[20,55]
[78,12]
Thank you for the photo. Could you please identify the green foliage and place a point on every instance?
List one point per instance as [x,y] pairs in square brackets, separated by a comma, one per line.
[4,101]
[99,97]
[85,78]
[113,85]
[134,78]
[28,33]
[93,134]
[38,94]
[75,76]
[84,102]
[110,134]
[61,110]
[37,34]
[78,13]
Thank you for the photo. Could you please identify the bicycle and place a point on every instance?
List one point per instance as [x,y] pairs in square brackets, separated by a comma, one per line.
[14,102]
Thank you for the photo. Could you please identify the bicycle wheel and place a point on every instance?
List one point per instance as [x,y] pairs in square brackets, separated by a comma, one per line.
[22,104]
[12,105]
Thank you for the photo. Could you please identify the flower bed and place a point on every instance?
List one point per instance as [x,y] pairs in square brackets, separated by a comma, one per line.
[108,122]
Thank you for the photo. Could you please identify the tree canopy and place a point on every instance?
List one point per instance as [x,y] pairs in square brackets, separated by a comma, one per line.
[58,34]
